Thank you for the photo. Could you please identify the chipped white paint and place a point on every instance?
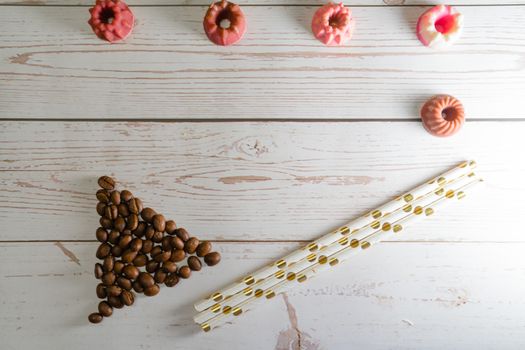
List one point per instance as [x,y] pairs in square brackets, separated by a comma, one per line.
[447,283]
[168,68]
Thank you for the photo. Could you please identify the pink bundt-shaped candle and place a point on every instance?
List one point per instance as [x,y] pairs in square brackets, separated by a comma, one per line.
[224,23]
[333,24]
[111,20]
[443,115]
[439,26]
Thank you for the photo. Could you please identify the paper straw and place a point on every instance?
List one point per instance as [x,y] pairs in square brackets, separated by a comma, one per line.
[326,261]
[384,224]
[351,228]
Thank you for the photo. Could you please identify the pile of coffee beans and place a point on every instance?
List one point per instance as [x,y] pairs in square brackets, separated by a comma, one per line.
[139,250]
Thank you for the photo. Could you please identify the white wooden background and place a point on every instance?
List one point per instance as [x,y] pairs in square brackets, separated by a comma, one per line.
[258,147]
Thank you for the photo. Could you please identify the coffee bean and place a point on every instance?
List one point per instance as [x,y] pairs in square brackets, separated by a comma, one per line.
[182,234]
[140,260]
[164,256]
[151,291]
[203,248]
[157,237]
[135,244]
[115,197]
[166,243]
[135,205]
[169,266]
[113,236]
[109,278]
[141,228]
[124,283]
[128,256]
[177,255]
[147,246]
[106,223]
[145,279]
[101,208]
[127,298]
[160,276]
[103,196]
[126,195]
[150,231]
[133,222]
[111,212]
[147,214]
[120,224]
[176,242]
[170,227]
[159,222]
[212,258]
[171,280]
[131,271]
[184,272]
[114,291]
[106,182]
[95,317]
[137,287]
[190,246]
[124,241]
[105,309]
[118,267]
[115,302]
[156,250]
[116,251]
[98,271]
[152,266]
[103,250]
[109,263]
[102,234]
[101,291]
[194,263]
[123,210]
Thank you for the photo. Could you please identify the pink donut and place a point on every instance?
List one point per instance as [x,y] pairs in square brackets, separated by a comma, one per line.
[333,24]
[443,115]
[111,20]
[439,26]
[215,30]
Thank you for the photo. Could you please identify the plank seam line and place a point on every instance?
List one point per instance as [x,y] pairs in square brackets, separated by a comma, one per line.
[263,5]
[244,120]
[277,241]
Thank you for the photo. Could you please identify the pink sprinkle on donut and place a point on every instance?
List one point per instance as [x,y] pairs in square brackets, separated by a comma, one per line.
[439,26]
[224,23]
[443,115]
[333,24]
[111,20]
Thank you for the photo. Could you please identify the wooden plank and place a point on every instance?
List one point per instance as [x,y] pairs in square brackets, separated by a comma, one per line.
[403,295]
[264,2]
[53,66]
[253,180]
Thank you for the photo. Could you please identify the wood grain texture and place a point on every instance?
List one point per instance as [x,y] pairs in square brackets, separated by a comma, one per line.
[168,69]
[254,181]
[265,2]
[470,292]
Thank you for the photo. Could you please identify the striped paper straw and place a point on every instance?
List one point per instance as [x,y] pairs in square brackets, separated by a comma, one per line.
[352,228]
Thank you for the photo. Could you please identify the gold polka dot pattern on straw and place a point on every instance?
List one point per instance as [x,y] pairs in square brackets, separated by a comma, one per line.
[336,254]
[373,220]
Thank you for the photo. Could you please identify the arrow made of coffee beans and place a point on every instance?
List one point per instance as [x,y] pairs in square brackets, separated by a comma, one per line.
[140,250]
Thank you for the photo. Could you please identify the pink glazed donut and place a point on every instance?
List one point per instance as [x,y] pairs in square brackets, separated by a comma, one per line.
[333,24]
[214,23]
[439,26]
[111,20]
